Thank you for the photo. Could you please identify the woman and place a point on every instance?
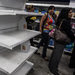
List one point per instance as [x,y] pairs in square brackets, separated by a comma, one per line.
[64,17]
[47,23]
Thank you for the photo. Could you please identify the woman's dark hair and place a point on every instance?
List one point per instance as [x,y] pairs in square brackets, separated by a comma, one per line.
[63,15]
[51,7]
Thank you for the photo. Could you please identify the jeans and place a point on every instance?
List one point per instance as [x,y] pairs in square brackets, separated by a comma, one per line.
[44,41]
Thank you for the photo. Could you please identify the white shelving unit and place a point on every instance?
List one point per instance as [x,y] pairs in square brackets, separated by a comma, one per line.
[2,13]
[24,69]
[72,4]
[11,60]
[7,12]
[27,13]
[18,37]
[14,34]
[67,51]
[18,12]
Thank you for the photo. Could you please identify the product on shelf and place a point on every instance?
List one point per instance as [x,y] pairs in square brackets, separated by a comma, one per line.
[33,18]
[69,47]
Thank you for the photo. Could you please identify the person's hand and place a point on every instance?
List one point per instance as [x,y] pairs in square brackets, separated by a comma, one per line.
[40,30]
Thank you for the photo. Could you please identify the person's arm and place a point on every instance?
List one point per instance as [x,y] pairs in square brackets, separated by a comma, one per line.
[41,22]
[68,30]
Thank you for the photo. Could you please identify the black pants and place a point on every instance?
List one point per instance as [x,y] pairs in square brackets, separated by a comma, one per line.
[55,58]
[44,41]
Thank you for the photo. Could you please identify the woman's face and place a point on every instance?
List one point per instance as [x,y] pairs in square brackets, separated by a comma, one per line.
[51,11]
[70,14]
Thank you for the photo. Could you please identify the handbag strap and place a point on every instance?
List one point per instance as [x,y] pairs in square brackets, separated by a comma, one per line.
[61,23]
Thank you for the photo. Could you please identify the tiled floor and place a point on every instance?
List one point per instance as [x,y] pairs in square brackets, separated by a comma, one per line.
[41,66]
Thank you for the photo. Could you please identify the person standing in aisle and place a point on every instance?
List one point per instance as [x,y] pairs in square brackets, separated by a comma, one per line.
[47,23]
[29,21]
[72,60]
[64,17]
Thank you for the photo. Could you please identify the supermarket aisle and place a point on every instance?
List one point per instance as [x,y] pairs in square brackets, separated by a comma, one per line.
[41,66]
